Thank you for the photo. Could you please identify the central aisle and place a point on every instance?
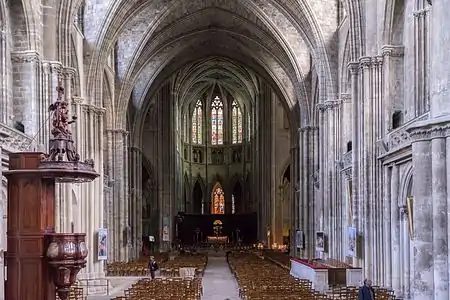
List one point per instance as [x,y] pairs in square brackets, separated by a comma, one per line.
[218,282]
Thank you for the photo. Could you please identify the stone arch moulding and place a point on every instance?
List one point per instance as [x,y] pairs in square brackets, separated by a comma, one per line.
[187,190]
[406,179]
[200,181]
[234,180]
[344,83]
[353,9]
[286,165]
[147,164]
[24,17]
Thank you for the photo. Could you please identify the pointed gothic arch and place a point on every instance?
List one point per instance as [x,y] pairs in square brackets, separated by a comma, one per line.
[197,123]
[237,198]
[186,193]
[198,192]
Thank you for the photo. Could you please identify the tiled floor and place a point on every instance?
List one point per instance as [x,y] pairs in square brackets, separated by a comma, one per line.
[218,282]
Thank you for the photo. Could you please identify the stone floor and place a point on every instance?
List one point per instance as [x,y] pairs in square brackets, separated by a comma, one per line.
[218,282]
[117,287]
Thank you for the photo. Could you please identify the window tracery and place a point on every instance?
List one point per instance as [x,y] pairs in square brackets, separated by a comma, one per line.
[197,123]
[217,121]
[236,123]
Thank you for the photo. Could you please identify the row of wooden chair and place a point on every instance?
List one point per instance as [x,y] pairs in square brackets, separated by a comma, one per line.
[164,289]
[76,293]
[279,257]
[351,293]
[263,280]
[133,268]
[340,292]
[171,267]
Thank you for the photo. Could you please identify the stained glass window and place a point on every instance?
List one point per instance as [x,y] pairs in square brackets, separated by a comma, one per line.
[218,201]
[197,118]
[217,122]
[236,123]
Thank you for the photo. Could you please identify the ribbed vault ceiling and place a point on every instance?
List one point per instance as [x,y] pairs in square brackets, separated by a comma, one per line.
[203,42]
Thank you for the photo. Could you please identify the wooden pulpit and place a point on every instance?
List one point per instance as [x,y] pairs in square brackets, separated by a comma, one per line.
[31,199]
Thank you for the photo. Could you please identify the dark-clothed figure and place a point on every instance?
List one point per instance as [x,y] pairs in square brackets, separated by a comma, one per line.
[152,267]
[366,292]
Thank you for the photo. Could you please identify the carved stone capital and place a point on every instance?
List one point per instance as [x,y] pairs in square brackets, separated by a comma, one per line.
[393,51]
[92,108]
[353,67]
[307,128]
[346,160]
[77,100]
[398,139]
[377,61]
[403,211]
[25,57]
[117,131]
[329,104]
[421,12]
[52,67]
[365,62]
[316,179]
[429,133]
[347,173]
[68,72]
[346,98]
[3,32]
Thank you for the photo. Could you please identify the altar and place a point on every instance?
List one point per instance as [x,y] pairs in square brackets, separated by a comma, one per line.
[316,273]
[324,274]
[217,240]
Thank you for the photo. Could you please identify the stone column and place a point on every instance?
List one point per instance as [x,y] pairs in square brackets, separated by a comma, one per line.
[387,228]
[303,190]
[440,217]
[166,163]
[395,228]
[439,71]
[86,200]
[136,200]
[118,220]
[4,228]
[6,107]
[364,144]
[354,71]
[308,188]
[315,194]
[295,192]
[423,282]
[333,111]
[392,62]
[322,203]
[276,190]
[26,81]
